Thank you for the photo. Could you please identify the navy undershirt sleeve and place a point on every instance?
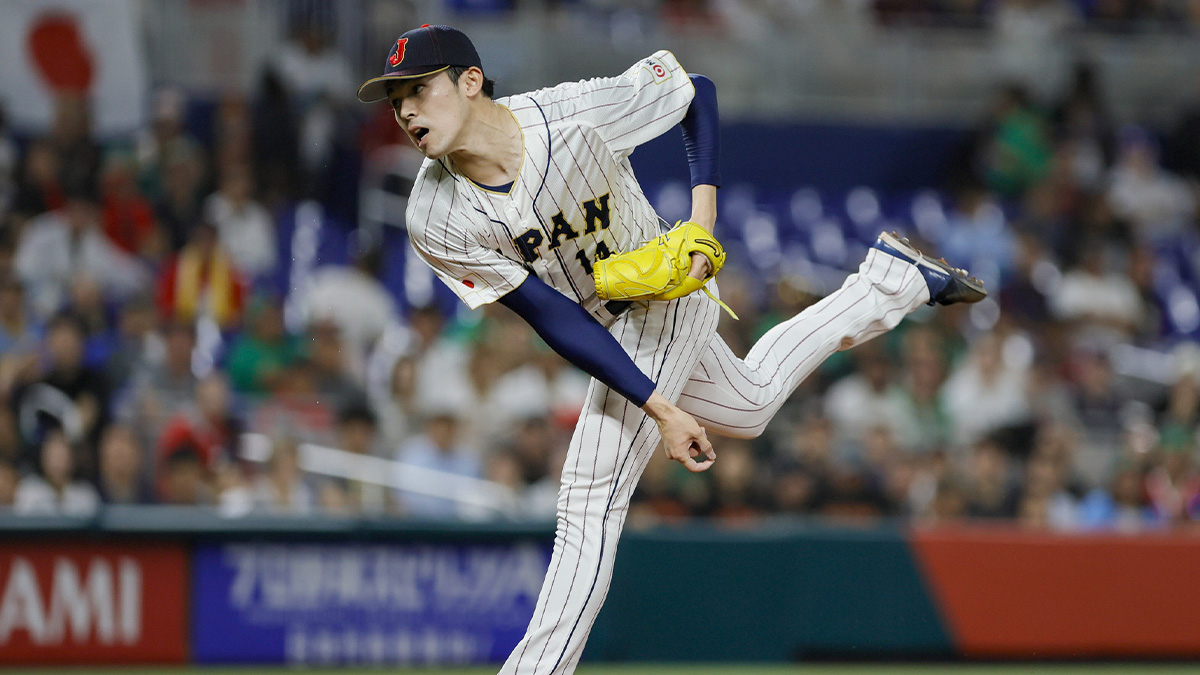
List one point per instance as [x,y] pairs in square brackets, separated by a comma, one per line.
[701,133]
[578,337]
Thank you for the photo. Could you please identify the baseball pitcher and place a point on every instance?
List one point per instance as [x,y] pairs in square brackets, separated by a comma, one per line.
[530,201]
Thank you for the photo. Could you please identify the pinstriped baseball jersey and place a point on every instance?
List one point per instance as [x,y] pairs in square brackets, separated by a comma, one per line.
[575,199]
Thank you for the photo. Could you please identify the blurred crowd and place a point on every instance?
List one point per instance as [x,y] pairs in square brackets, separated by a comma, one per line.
[151,322]
[1113,15]
[998,16]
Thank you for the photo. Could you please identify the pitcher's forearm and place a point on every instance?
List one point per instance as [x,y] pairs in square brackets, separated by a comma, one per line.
[657,407]
[704,206]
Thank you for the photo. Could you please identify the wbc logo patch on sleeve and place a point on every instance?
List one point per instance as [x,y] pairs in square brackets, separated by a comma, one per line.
[658,70]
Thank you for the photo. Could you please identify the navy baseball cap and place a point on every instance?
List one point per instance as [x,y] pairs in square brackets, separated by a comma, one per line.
[420,52]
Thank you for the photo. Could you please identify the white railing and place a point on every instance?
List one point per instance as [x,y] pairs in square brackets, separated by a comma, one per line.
[474,498]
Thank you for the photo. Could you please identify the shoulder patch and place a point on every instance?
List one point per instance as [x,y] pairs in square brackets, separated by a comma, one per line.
[658,70]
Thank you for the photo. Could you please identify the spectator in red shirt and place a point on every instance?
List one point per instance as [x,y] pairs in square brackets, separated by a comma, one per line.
[128,217]
[185,482]
[209,428]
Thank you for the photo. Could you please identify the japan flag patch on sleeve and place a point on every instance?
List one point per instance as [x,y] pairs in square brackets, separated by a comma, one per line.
[470,285]
[658,70]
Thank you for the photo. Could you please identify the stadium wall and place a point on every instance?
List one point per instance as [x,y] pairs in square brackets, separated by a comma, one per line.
[829,157]
[174,586]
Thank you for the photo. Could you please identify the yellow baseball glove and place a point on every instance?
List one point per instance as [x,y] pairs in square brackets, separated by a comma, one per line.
[658,270]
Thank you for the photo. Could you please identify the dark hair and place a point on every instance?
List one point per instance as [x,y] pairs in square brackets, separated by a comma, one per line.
[65,318]
[8,236]
[357,411]
[80,189]
[1018,93]
[489,86]
[185,453]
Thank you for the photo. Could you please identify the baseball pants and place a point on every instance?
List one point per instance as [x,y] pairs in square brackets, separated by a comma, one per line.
[677,345]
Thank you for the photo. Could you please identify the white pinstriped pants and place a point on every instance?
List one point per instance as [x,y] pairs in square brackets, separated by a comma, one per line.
[676,344]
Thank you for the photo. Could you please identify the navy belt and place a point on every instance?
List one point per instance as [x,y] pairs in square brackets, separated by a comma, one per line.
[615,307]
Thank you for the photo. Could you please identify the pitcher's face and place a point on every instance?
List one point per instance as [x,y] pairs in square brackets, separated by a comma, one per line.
[432,110]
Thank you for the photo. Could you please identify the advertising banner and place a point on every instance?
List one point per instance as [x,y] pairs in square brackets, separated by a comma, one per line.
[92,603]
[363,604]
[1012,594]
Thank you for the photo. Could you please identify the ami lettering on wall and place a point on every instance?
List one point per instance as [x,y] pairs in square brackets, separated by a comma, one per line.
[92,603]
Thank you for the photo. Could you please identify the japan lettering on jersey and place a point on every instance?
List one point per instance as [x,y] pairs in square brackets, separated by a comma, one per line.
[575,199]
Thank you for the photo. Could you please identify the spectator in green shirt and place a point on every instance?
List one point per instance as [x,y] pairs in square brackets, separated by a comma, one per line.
[1018,151]
[259,356]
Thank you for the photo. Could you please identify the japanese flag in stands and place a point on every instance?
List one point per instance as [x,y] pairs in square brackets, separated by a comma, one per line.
[72,48]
